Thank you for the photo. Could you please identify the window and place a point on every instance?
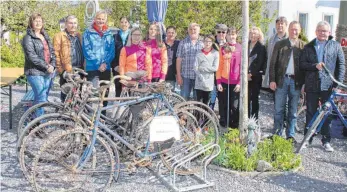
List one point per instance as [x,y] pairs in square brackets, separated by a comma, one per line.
[329,19]
[303,18]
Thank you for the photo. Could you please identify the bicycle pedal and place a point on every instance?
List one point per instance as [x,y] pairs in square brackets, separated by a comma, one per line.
[160,146]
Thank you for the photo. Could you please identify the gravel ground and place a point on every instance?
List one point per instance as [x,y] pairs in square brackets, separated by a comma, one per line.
[322,171]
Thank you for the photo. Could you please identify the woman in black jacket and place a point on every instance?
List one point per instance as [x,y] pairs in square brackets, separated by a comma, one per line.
[39,59]
[120,40]
[171,46]
[256,68]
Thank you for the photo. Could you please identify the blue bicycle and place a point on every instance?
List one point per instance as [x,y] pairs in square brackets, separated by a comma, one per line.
[324,111]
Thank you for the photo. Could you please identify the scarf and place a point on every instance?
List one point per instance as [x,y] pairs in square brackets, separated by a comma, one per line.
[100,32]
[206,52]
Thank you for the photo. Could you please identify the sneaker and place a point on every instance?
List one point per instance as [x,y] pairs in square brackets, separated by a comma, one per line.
[328,147]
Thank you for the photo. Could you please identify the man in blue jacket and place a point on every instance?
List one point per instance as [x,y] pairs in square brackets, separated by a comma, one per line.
[98,50]
[322,50]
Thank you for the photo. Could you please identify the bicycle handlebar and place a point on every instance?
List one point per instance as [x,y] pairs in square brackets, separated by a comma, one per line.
[114,78]
[333,78]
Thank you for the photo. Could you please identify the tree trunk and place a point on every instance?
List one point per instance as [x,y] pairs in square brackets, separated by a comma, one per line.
[244,72]
[341,30]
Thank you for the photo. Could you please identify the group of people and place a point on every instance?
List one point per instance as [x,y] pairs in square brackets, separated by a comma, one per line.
[208,66]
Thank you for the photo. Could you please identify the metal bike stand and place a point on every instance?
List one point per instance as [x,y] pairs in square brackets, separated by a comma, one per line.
[169,180]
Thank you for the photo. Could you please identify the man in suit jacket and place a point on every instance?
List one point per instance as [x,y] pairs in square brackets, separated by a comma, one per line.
[286,79]
[322,50]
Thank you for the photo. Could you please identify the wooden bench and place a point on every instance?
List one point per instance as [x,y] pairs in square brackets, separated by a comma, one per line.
[9,77]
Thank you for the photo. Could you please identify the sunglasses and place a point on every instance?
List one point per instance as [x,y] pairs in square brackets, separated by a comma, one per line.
[221,32]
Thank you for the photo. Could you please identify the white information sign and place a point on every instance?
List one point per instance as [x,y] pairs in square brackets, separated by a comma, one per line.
[163,128]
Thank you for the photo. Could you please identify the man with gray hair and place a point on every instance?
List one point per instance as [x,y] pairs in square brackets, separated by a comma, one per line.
[322,50]
[186,56]
[68,49]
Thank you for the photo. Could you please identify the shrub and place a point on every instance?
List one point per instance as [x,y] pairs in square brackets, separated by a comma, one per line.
[12,55]
[278,152]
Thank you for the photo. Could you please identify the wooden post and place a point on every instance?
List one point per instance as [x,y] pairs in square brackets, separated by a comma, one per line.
[244,73]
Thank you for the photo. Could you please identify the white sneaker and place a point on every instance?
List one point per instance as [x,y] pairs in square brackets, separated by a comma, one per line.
[328,147]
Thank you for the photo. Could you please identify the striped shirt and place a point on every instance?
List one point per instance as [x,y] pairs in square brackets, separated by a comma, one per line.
[187,51]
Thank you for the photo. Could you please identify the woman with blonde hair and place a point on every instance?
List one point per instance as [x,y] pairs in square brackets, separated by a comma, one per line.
[256,68]
[135,55]
[158,53]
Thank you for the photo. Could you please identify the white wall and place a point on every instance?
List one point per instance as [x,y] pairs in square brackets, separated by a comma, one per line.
[314,8]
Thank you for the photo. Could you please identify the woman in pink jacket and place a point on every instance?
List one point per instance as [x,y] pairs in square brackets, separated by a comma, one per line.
[228,79]
[158,53]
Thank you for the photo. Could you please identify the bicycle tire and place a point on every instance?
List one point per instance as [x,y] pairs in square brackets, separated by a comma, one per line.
[63,173]
[28,115]
[33,141]
[201,105]
[37,121]
[311,130]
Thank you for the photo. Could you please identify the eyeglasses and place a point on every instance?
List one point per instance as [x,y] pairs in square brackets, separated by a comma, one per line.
[322,31]
[221,32]
[207,41]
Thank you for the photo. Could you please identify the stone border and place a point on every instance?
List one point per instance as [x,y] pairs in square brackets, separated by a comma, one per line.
[254,173]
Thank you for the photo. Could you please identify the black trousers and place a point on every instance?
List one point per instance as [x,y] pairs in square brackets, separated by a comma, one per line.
[202,96]
[253,96]
[106,75]
[233,106]
[312,101]
[156,79]
[118,85]
[62,81]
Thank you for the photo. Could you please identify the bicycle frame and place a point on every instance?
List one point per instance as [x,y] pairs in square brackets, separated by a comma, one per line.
[88,151]
[328,108]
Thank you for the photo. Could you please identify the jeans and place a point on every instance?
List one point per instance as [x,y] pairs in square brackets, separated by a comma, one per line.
[312,100]
[187,87]
[40,86]
[213,97]
[282,95]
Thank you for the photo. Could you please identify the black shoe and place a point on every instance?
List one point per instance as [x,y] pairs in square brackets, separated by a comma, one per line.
[292,140]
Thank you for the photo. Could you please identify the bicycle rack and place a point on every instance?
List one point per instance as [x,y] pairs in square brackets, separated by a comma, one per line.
[181,160]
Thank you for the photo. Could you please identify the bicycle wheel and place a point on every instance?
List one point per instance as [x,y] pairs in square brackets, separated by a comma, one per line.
[29,115]
[301,120]
[34,141]
[201,105]
[57,165]
[200,126]
[38,121]
[311,130]
[174,98]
